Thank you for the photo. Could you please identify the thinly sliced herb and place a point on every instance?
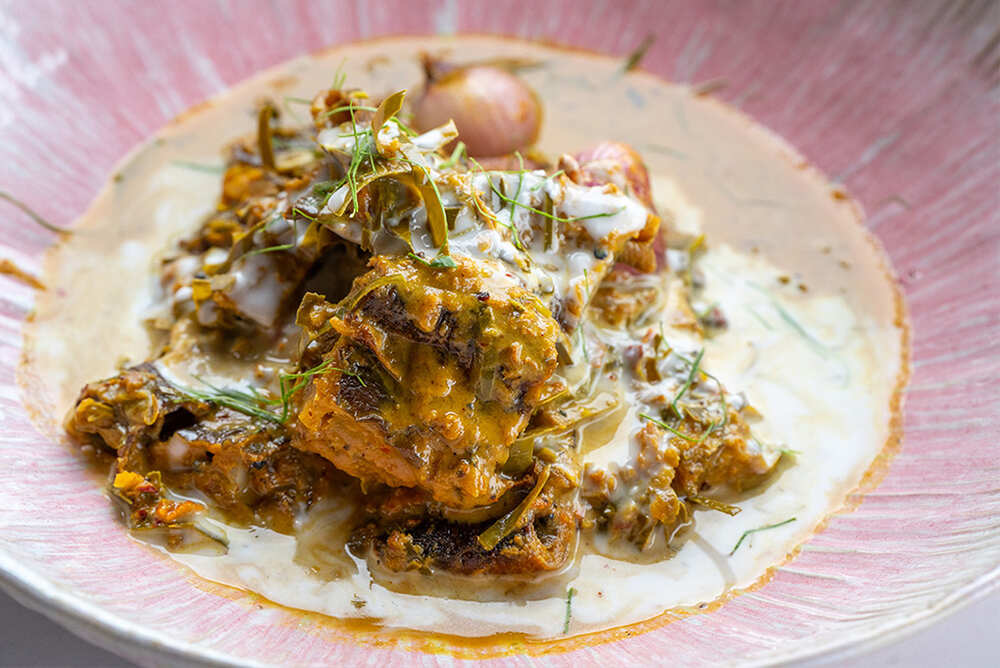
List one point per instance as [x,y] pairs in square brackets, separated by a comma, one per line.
[252,404]
[456,155]
[304,214]
[439,262]
[722,394]
[357,157]
[570,593]
[346,107]
[705,434]
[661,423]
[297,100]
[790,320]
[687,383]
[634,58]
[748,532]
[794,324]
[199,167]
[352,374]
[302,378]
[715,504]
[31,214]
[759,318]
[269,249]
[339,76]
[554,217]
[541,184]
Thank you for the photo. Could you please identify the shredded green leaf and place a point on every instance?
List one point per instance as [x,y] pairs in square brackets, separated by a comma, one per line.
[570,593]
[661,423]
[289,389]
[339,76]
[249,403]
[352,374]
[759,318]
[749,532]
[634,58]
[31,214]
[456,155]
[269,249]
[687,383]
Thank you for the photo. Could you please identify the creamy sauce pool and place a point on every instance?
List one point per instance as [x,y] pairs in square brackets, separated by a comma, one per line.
[815,338]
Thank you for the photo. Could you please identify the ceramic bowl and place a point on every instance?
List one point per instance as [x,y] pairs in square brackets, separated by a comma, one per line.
[896,100]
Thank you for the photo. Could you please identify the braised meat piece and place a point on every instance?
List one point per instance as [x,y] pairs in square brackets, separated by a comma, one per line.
[243,464]
[432,378]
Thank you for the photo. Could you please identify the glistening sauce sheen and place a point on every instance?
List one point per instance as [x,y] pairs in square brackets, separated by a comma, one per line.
[784,247]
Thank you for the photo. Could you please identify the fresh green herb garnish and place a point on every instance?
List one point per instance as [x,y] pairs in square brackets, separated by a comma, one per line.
[31,214]
[339,76]
[748,532]
[687,383]
[551,176]
[352,374]
[634,58]
[456,155]
[269,249]
[249,403]
[760,318]
[569,608]
[661,423]
[558,219]
[301,379]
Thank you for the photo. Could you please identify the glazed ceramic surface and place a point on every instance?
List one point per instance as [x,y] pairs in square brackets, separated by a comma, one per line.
[897,101]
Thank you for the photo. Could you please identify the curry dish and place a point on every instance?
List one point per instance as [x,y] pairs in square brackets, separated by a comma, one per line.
[441,332]
[432,348]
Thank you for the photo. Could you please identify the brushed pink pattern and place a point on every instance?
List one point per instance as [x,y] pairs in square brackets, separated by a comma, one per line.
[899,100]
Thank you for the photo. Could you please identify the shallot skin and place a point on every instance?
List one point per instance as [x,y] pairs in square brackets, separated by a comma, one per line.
[495,112]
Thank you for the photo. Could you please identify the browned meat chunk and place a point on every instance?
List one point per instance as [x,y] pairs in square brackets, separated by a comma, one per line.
[244,465]
[432,379]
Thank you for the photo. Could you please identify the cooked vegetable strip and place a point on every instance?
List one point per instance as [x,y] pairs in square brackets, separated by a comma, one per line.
[506,524]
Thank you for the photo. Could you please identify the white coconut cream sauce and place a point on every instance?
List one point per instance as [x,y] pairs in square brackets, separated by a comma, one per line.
[814,338]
